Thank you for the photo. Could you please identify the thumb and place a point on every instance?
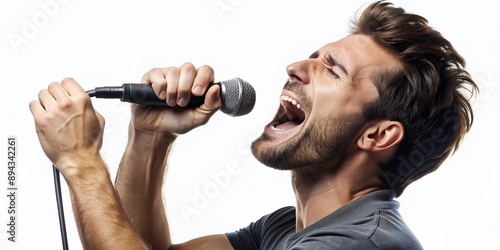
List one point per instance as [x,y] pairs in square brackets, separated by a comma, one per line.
[209,107]
[212,99]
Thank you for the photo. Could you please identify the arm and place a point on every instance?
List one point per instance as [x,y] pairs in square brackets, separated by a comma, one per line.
[139,182]
[152,132]
[100,219]
[70,133]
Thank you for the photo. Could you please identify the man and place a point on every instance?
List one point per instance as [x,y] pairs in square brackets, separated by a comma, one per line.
[359,120]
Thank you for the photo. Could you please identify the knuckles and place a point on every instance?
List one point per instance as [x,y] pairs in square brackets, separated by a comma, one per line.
[155,71]
[64,104]
[188,67]
[67,80]
[206,68]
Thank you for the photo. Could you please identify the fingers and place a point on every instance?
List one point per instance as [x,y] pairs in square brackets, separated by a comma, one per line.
[176,85]
[186,79]
[57,95]
[36,109]
[172,81]
[57,91]
[47,101]
[204,77]
[72,87]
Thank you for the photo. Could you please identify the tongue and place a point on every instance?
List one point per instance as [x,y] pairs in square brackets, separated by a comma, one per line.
[287,125]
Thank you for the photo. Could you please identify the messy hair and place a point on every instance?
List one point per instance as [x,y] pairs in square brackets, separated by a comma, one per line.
[429,96]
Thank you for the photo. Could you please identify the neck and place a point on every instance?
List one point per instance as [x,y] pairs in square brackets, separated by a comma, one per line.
[320,194]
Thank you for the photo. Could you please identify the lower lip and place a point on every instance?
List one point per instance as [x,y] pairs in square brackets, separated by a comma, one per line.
[276,133]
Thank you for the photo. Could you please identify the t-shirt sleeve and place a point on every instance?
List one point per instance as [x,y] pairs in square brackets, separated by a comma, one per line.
[265,231]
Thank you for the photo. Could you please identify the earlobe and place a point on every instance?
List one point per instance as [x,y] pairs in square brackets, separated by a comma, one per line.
[381,135]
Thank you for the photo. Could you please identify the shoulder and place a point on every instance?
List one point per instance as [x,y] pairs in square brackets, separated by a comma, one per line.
[281,221]
[284,213]
[371,222]
[391,232]
[360,236]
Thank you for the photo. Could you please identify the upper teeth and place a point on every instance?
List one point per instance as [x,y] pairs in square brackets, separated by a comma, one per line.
[291,100]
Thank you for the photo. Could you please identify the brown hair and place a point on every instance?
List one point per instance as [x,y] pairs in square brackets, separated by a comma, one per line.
[430,96]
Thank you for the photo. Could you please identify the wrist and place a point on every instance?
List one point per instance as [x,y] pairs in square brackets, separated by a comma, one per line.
[144,162]
[82,169]
[147,140]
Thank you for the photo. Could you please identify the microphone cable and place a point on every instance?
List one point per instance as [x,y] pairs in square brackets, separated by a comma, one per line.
[60,208]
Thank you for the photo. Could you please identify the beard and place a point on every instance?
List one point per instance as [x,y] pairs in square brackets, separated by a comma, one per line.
[325,142]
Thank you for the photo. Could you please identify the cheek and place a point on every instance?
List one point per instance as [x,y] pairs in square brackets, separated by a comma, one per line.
[355,101]
[337,106]
[342,99]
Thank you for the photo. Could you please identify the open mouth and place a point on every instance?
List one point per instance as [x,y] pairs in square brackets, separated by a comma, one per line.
[290,114]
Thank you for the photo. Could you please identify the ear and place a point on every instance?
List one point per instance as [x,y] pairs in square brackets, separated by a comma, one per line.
[381,135]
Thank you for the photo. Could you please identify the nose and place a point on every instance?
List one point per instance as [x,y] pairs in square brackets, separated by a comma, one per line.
[299,71]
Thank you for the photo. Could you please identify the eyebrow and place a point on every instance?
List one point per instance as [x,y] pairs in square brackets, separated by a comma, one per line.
[331,61]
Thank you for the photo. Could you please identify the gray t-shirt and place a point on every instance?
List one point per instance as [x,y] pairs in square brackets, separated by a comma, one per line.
[369,222]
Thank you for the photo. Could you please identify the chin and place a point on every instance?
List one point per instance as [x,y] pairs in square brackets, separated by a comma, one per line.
[285,155]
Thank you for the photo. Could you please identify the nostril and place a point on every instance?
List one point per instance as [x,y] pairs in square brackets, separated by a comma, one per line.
[293,74]
[298,71]
[294,78]
[290,70]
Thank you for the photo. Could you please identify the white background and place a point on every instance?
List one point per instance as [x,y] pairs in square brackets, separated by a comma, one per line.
[112,42]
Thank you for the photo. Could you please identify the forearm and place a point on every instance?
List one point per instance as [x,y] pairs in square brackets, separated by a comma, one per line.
[139,183]
[101,221]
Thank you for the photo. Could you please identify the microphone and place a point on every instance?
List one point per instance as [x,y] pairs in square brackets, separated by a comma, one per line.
[237,96]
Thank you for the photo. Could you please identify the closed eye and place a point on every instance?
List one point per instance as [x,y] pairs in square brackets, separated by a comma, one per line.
[333,73]
[335,63]
[332,62]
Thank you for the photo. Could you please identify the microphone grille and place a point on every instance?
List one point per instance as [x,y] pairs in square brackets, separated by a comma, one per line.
[238,97]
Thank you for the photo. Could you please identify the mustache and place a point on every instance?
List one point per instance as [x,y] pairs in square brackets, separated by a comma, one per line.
[293,86]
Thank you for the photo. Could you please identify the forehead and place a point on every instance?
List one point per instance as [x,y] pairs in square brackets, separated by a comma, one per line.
[360,55]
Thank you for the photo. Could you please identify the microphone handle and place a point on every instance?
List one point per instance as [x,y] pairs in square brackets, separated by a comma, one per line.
[142,94]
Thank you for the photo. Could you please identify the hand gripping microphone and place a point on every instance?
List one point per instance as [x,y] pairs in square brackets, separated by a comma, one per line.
[237,96]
